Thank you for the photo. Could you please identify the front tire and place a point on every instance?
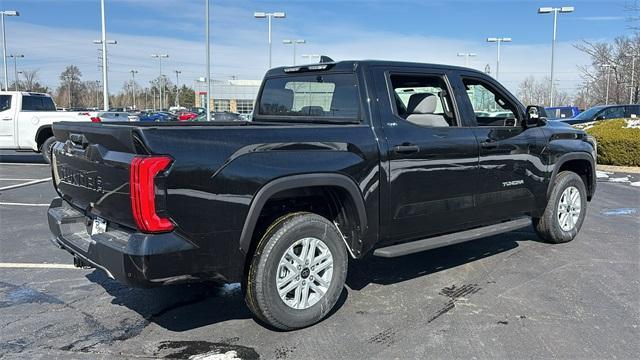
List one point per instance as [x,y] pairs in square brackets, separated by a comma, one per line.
[565,211]
[46,148]
[297,272]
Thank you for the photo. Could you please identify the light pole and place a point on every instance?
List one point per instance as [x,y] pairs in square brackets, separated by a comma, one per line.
[633,69]
[133,84]
[466,57]
[262,15]
[498,40]
[294,42]
[555,11]
[208,72]
[103,41]
[4,44]
[608,66]
[178,72]
[15,68]
[311,56]
[160,79]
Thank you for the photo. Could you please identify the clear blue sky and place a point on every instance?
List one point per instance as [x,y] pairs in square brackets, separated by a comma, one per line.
[53,33]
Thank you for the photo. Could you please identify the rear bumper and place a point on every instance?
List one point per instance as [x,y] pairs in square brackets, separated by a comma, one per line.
[139,260]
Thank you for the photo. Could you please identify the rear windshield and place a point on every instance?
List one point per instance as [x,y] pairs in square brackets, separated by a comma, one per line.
[314,96]
[37,103]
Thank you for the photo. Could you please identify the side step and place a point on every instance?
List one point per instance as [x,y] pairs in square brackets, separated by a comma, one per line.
[450,239]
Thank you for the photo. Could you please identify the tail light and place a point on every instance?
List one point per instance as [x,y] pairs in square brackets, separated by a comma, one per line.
[143,193]
[95,119]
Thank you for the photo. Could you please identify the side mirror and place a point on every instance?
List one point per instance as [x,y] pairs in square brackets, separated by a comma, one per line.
[536,116]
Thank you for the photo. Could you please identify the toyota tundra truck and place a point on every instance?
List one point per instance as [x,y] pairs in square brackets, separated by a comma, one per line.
[341,160]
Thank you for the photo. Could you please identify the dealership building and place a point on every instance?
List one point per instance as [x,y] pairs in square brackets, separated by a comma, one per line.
[228,95]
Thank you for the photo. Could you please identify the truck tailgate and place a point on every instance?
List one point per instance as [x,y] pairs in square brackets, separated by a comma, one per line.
[91,169]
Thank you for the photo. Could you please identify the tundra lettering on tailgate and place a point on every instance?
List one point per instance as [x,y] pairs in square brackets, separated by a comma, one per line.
[79,178]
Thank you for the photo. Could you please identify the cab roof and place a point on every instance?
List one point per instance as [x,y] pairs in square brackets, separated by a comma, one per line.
[351,65]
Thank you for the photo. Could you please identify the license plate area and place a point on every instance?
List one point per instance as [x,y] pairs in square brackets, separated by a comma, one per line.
[98,226]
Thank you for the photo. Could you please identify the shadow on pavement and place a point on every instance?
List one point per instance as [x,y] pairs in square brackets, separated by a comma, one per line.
[189,306]
[386,271]
[19,157]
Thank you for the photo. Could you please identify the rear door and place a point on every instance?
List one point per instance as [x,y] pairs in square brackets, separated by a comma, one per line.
[511,170]
[432,159]
[8,105]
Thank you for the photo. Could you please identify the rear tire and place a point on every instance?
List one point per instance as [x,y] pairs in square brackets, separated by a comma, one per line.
[290,286]
[565,211]
[46,149]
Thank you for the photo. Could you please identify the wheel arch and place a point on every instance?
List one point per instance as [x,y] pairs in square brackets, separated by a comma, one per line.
[355,207]
[44,132]
[580,163]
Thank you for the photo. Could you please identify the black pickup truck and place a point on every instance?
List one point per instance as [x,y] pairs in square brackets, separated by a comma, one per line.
[342,159]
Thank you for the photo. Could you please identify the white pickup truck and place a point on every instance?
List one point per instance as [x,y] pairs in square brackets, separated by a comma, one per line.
[26,118]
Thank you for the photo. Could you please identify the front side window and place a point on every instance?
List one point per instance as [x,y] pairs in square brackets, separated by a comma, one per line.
[490,108]
[5,102]
[328,96]
[37,103]
[423,100]
[613,112]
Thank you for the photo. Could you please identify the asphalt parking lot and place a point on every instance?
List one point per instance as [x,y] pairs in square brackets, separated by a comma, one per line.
[506,296]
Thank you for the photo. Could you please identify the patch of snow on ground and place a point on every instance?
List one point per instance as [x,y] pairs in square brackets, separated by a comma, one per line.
[635,183]
[633,123]
[602,174]
[213,355]
[620,179]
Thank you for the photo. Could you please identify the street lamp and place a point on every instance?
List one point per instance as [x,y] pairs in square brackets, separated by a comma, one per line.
[466,57]
[498,40]
[555,11]
[262,15]
[4,44]
[208,72]
[608,66]
[294,42]
[133,83]
[633,69]
[15,68]
[178,72]
[160,82]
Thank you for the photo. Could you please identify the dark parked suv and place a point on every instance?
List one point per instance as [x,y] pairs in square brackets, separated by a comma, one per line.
[345,159]
[604,112]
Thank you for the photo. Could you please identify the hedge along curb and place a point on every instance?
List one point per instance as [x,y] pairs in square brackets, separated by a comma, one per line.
[618,144]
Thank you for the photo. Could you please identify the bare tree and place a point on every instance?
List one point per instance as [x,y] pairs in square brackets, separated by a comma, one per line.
[610,71]
[534,92]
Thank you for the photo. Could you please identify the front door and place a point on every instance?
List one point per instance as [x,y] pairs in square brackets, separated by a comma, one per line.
[7,122]
[432,160]
[510,169]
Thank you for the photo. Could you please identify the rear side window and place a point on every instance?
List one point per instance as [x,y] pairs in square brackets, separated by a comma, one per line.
[5,102]
[566,113]
[329,96]
[37,103]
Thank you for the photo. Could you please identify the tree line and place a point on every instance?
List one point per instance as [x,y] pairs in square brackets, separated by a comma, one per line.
[74,92]
[611,63]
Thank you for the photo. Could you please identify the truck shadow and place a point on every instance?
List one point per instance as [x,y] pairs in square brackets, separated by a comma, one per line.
[19,157]
[189,306]
[386,271]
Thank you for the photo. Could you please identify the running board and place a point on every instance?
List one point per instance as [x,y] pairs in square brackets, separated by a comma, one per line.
[450,239]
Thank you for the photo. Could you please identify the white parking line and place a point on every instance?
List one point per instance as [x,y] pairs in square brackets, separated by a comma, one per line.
[21,204]
[35,266]
[23,164]
[17,179]
[24,184]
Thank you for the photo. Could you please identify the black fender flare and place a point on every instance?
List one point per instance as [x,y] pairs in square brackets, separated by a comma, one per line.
[573,156]
[41,129]
[293,182]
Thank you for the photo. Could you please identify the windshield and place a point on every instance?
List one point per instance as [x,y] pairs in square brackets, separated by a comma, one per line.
[330,97]
[588,114]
